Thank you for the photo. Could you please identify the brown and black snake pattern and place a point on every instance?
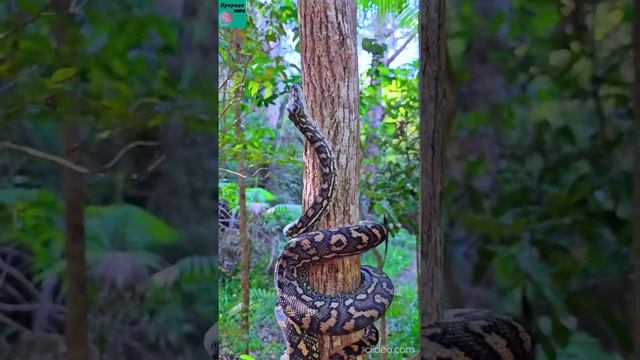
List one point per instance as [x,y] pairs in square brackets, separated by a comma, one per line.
[469,334]
[302,313]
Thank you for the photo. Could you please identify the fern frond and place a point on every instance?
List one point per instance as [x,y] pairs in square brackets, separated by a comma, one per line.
[189,267]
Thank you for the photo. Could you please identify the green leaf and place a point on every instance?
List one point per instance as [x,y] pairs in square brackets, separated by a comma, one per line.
[228,192]
[373,46]
[253,88]
[126,227]
[283,212]
[257,194]
[63,74]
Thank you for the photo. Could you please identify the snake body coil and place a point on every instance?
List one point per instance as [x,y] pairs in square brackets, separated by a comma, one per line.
[303,313]
[470,334]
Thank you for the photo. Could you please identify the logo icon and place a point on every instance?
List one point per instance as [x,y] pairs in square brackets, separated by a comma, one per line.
[226,18]
[232,14]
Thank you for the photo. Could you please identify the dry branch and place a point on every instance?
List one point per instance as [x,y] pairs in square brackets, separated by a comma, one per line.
[69,164]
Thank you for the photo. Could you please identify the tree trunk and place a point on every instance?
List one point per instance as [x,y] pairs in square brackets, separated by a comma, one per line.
[383,320]
[274,114]
[376,112]
[272,182]
[74,249]
[636,180]
[330,83]
[77,302]
[433,117]
[376,115]
[242,202]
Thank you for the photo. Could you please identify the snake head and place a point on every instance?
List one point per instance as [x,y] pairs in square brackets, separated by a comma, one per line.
[291,230]
[295,98]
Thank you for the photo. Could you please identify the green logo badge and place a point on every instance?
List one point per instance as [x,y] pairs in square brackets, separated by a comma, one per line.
[233,13]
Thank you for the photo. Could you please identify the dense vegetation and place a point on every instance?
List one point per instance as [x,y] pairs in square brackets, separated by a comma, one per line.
[138,76]
[538,194]
[537,201]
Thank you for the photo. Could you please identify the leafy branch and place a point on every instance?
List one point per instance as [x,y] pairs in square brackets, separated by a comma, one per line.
[28,22]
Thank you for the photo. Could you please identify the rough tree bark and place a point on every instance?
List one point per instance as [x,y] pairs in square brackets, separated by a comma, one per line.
[242,201]
[330,83]
[433,117]
[636,180]
[77,304]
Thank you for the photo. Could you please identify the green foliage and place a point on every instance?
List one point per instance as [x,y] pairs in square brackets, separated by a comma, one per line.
[583,346]
[373,46]
[256,196]
[228,192]
[404,11]
[62,74]
[283,213]
[127,227]
[127,71]
[397,163]
[259,195]
[537,197]
[32,218]
[554,220]
[400,255]
[383,6]
[262,304]
[190,268]
[121,241]
[261,314]
[403,317]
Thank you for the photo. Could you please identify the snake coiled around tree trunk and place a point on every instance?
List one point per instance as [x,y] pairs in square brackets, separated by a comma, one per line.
[303,313]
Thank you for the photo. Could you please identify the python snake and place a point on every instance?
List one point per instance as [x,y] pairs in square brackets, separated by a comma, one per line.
[303,313]
[470,334]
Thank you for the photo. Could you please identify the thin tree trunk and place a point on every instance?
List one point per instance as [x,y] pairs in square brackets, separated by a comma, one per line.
[77,302]
[376,114]
[636,180]
[74,249]
[330,83]
[242,202]
[383,319]
[433,115]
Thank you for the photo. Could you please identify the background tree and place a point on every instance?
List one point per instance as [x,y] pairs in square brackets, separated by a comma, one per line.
[433,119]
[114,101]
[242,193]
[77,305]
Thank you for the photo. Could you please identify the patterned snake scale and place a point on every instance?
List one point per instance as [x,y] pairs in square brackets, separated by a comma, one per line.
[468,334]
[303,314]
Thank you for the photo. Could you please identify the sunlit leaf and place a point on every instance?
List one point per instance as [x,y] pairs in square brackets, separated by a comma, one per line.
[63,74]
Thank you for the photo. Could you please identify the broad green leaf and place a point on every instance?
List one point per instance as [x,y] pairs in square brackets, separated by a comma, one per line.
[253,88]
[283,213]
[63,74]
[126,227]
[257,194]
